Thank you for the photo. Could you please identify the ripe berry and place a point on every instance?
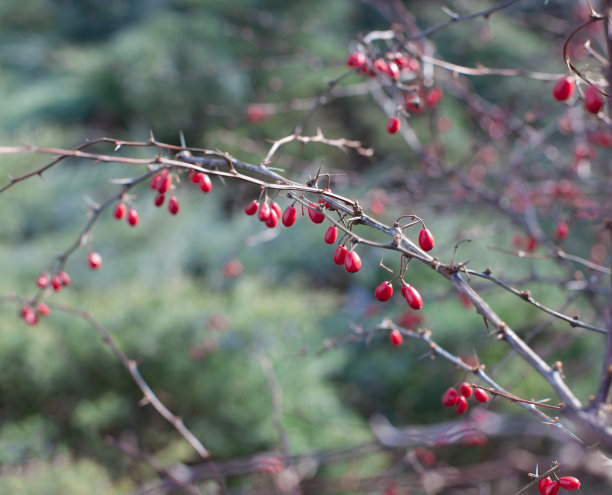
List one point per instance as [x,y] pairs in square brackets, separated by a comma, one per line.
[272,220]
[480,395]
[426,240]
[331,234]
[465,389]
[450,397]
[155,180]
[340,255]
[551,488]
[264,212]
[543,484]
[462,405]
[64,278]
[413,298]
[43,309]
[251,208]
[205,183]
[43,280]
[393,70]
[56,283]
[289,216]
[119,211]
[315,215]
[94,260]
[569,483]
[384,291]
[274,206]
[29,315]
[395,336]
[433,97]
[381,66]
[164,184]
[173,205]
[593,100]
[563,88]
[562,230]
[195,177]
[352,262]
[356,60]
[393,125]
[132,217]
[159,199]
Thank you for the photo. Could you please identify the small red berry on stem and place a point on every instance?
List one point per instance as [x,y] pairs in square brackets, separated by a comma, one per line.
[272,220]
[94,260]
[173,205]
[43,309]
[570,483]
[264,212]
[413,298]
[251,208]
[384,291]
[480,395]
[563,88]
[43,280]
[132,217]
[543,484]
[56,283]
[426,240]
[64,278]
[164,184]
[393,125]
[395,336]
[331,234]
[352,262]
[593,100]
[562,230]
[159,199]
[450,397]
[551,488]
[315,215]
[340,255]
[205,183]
[119,211]
[434,95]
[289,216]
[462,405]
[356,60]
[275,206]
[29,315]
[465,389]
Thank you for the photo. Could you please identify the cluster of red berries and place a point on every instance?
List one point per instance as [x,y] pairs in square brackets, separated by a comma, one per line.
[30,315]
[459,398]
[57,281]
[546,486]
[270,213]
[564,89]
[121,211]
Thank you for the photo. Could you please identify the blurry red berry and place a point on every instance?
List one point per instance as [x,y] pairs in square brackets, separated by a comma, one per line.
[340,255]
[195,177]
[119,211]
[164,184]
[426,240]
[29,315]
[159,199]
[384,291]
[331,234]
[434,95]
[352,262]
[155,180]
[563,88]
[531,244]
[480,395]
[315,215]
[43,309]
[275,206]
[393,70]
[465,389]
[173,205]
[356,59]
[94,260]
[395,336]
[132,217]
[562,230]
[251,208]
[264,212]
[413,298]
[380,65]
[205,183]
[56,283]
[462,405]
[450,397]
[289,216]
[570,483]
[593,100]
[64,278]
[43,280]
[393,125]
[272,220]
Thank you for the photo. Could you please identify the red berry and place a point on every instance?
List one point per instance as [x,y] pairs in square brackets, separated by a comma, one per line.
[593,100]
[164,184]
[552,488]
[384,291]
[352,262]
[64,278]
[264,212]
[413,298]
[272,220]
[119,211]
[274,205]
[426,240]
[95,260]
[562,230]
[315,215]
[462,405]
[43,309]
[433,97]
[465,389]
[569,483]
[395,336]
[340,255]
[331,234]
[356,59]
[155,180]
[205,183]
[393,70]
[173,205]
[480,395]
[531,244]
[251,208]
[381,66]
[159,199]
[563,88]
[43,280]
[195,177]
[289,216]
[29,315]
[450,397]
[393,125]
[132,217]
[543,484]
[56,283]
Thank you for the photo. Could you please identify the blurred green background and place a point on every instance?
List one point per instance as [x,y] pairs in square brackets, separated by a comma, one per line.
[72,70]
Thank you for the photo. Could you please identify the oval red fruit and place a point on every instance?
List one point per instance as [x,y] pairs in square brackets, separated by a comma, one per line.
[272,220]
[426,240]
[433,97]
[64,278]
[94,260]
[205,183]
[569,483]
[413,298]
[552,488]
[159,199]
[356,59]
[119,211]
[393,125]
[462,405]
[29,315]
[289,216]
[315,215]
[275,206]
[195,177]
[384,291]
[352,262]
[56,283]
[562,230]
[593,100]
[173,205]
[43,280]
[480,395]
[264,212]
[450,397]
[563,88]
[251,208]
[43,309]
[340,255]
[132,217]
[155,180]
[543,484]
[164,184]
[395,336]
[331,234]
[465,389]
